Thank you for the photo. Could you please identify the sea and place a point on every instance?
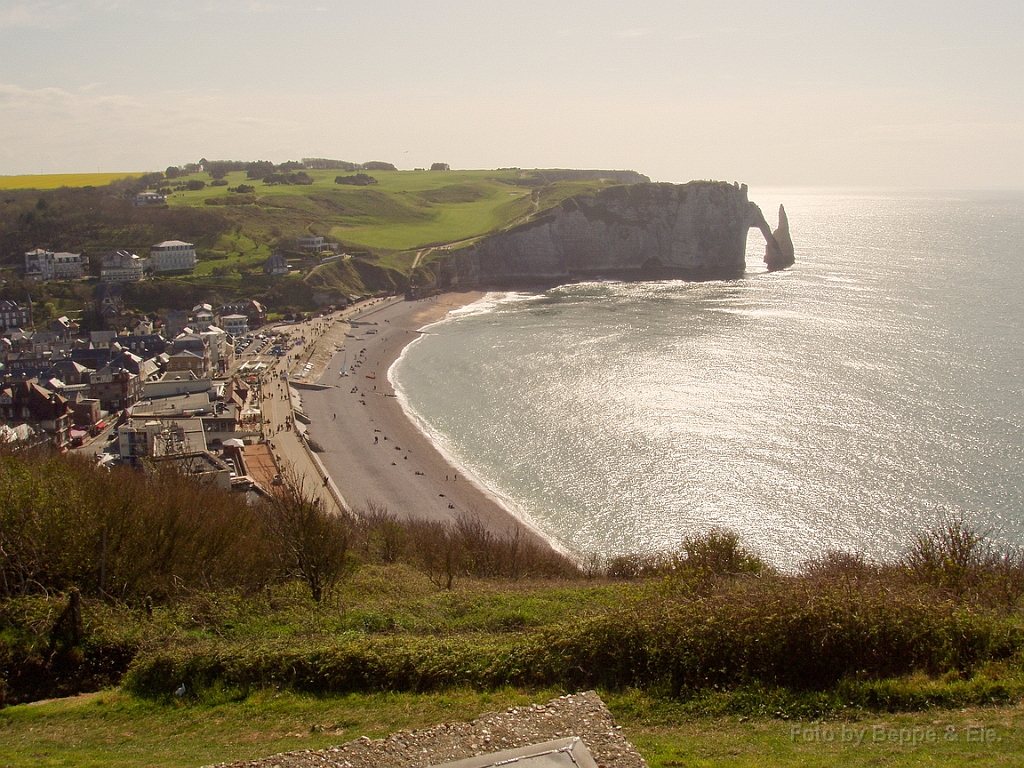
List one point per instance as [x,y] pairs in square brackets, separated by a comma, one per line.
[852,402]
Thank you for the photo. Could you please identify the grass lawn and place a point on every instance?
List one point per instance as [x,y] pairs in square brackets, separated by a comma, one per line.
[113,729]
[669,736]
[404,211]
[234,249]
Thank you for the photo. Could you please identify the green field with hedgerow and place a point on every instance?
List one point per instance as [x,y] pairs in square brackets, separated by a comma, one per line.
[258,629]
[403,211]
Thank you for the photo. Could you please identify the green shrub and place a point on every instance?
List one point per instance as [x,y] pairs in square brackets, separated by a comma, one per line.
[719,551]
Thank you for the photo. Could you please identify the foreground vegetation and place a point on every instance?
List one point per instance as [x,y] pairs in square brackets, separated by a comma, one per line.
[202,608]
[115,729]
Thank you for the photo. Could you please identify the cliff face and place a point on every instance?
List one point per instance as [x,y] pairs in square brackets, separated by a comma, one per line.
[645,231]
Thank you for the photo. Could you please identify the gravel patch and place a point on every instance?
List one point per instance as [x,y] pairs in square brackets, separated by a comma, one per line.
[583,715]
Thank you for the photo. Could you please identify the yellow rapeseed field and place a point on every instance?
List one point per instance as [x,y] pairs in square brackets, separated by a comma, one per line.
[56,180]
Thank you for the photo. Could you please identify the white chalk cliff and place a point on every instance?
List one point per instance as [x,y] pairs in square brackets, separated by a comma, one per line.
[640,231]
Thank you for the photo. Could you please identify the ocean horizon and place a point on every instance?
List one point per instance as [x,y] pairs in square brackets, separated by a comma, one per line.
[868,393]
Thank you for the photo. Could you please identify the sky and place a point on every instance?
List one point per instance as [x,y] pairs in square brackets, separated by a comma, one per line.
[893,94]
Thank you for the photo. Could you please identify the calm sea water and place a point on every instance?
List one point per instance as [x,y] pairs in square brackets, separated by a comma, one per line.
[849,402]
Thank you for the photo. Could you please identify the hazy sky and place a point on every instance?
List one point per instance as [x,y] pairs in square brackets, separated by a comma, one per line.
[889,93]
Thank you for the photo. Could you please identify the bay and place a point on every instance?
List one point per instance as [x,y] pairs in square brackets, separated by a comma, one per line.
[867,393]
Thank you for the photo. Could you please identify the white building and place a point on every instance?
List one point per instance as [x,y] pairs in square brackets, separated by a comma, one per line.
[235,325]
[121,267]
[202,317]
[222,351]
[172,256]
[312,243]
[47,265]
[149,198]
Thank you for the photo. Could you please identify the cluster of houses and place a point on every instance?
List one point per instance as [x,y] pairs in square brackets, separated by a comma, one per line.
[167,388]
[171,388]
[121,266]
[118,266]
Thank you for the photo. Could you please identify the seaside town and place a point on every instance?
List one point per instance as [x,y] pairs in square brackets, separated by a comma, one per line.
[208,391]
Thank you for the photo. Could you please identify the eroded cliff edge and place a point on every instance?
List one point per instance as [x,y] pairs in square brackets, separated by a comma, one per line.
[640,231]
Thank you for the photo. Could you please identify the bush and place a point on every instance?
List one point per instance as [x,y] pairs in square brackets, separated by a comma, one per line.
[719,552]
[357,180]
[711,616]
[326,666]
[306,541]
[965,563]
[745,636]
[65,524]
[446,552]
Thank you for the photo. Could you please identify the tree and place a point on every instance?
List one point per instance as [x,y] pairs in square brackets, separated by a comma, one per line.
[259,169]
[440,167]
[358,180]
[309,542]
[43,313]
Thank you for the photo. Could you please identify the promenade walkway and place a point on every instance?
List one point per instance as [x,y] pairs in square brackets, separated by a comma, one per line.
[284,434]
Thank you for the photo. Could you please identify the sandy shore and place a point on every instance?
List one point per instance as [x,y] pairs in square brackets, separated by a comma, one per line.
[373,452]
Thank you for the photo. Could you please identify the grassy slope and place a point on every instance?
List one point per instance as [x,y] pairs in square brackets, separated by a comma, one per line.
[746,727]
[397,221]
[405,211]
[113,729]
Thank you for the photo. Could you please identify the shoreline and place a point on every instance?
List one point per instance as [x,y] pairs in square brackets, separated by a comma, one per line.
[375,452]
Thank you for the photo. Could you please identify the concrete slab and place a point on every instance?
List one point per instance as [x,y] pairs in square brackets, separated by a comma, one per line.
[563,753]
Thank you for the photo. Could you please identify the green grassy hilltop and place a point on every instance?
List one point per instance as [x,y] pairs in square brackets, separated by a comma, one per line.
[405,210]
